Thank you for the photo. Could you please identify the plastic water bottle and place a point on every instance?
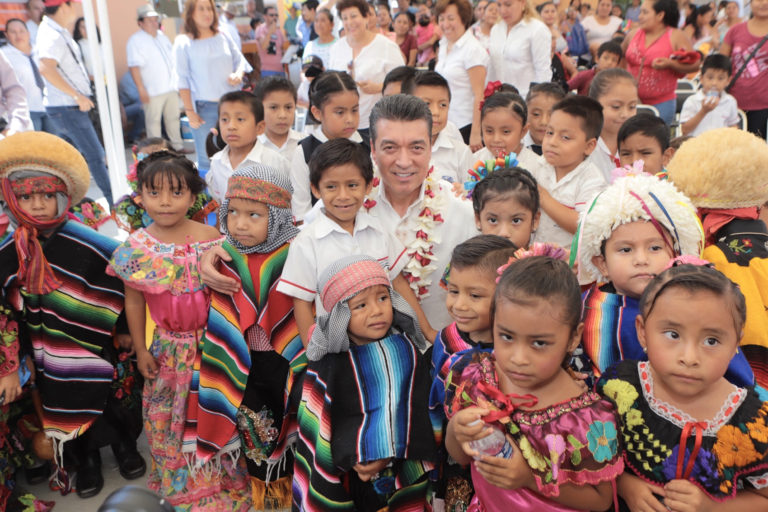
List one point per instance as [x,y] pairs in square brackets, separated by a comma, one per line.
[494,445]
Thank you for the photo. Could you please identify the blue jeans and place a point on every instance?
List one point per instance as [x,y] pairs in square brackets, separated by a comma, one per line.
[42,122]
[209,112]
[77,126]
[667,111]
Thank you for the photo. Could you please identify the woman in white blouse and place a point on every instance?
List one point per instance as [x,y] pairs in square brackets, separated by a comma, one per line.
[463,62]
[600,26]
[520,47]
[364,54]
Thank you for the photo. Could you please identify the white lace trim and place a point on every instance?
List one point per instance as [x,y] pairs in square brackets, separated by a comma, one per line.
[680,418]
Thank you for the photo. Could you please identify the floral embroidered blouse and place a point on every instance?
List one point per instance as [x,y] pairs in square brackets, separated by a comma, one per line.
[721,455]
[575,441]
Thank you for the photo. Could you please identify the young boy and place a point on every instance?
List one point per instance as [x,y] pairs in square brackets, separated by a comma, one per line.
[278,97]
[396,79]
[241,121]
[451,158]
[645,137]
[711,107]
[540,100]
[341,174]
[570,179]
[628,235]
[609,55]
[53,271]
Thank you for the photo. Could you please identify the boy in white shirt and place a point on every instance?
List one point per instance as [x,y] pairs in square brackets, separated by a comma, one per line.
[451,158]
[278,97]
[241,121]
[711,107]
[341,174]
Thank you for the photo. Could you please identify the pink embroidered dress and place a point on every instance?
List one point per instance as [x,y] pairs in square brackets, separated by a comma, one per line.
[178,303]
[572,442]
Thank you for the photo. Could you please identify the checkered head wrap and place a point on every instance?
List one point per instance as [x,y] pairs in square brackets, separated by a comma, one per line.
[269,186]
[341,281]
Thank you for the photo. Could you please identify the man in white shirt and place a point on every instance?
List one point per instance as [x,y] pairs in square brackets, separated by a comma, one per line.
[150,61]
[34,17]
[227,23]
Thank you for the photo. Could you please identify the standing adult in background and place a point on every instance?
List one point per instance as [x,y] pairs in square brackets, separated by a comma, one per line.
[13,101]
[227,23]
[477,12]
[648,49]
[252,8]
[150,61]
[550,17]
[600,26]
[19,53]
[698,27]
[464,64]
[633,11]
[271,44]
[520,47]
[208,65]
[321,45]
[365,55]
[68,88]
[80,35]
[291,19]
[482,29]
[729,20]
[305,28]
[35,16]
[404,38]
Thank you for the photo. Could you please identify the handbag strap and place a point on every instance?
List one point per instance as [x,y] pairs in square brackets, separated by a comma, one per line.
[744,64]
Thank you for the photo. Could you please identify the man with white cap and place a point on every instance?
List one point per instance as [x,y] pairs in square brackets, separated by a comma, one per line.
[227,23]
[150,61]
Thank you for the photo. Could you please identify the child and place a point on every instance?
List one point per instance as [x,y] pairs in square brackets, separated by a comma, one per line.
[506,203]
[627,236]
[241,121]
[504,123]
[570,179]
[711,107]
[341,175]
[609,55]
[159,266]
[616,90]
[644,137]
[451,158]
[725,173]
[278,97]
[365,441]
[396,79]
[52,275]
[253,328]
[540,100]
[523,390]
[334,103]
[694,441]
[427,34]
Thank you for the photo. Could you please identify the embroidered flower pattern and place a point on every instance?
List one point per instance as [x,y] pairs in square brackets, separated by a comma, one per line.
[535,460]
[602,442]
[734,447]
[743,246]
[623,394]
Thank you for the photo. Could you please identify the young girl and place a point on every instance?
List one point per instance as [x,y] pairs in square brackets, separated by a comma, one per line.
[694,441]
[505,201]
[540,100]
[159,267]
[563,440]
[504,123]
[365,441]
[253,328]
[616,90]
[333,99]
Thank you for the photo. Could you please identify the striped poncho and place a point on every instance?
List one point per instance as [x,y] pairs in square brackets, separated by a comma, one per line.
[360,406]
[226,388]
[71,328]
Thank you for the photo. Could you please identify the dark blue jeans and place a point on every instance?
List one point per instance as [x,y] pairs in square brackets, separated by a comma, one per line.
[42,122]
[77,127]
[209,112]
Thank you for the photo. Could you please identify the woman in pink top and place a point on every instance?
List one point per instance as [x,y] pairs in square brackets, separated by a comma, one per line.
[648,52]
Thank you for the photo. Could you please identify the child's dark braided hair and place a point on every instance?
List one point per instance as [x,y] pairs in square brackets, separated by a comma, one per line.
[514,180]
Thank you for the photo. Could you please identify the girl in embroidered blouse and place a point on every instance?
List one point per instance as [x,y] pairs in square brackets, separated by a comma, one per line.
[564,445]
[159,265]
[694,441]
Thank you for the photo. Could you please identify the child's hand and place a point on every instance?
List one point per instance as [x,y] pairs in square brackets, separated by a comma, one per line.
[10,388]
[125,342]
[468,425]
[709,103]
[639,495]
[147,364]
[367,471]
[511,473]
[458,189]
[661,63]
[684,496]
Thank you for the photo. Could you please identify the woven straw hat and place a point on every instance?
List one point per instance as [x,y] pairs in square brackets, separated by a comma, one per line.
[40,151]
[722,169]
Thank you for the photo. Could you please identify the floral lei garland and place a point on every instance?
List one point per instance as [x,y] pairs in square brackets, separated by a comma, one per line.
[420,251]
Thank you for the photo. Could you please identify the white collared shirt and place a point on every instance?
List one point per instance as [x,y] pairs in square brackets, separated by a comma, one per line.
[466,53]
[23,69]
[726,113]
[323,241]
[574,190]
[603,159]
[288,149]
[458,225]
[527,159]
[451,158]
[154,58]
[522,55]
[221,167]
[56,43]
[301,200]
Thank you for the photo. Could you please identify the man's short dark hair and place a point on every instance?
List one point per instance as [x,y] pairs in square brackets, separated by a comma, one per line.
[271,84]
[311,4]
[400,74]
[426,79]
[337,152]
[645,124]
[588,110]
[248,99]
[400,107]
[716,61]
[610,47]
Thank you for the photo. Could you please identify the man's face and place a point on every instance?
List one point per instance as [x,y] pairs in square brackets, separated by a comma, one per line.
[307,14]
[150,25]
[402,151]
[35,10]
